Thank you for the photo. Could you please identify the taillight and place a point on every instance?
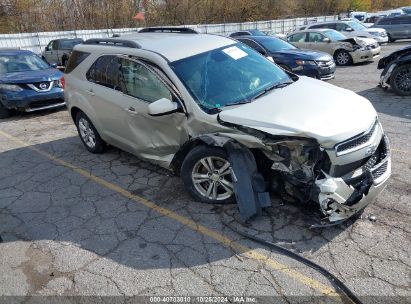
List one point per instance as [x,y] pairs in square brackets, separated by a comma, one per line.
[62,82]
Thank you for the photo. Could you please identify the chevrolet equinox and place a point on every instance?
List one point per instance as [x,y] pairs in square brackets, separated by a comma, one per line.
[178,99]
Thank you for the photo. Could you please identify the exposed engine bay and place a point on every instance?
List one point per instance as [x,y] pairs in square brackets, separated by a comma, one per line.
[299,169]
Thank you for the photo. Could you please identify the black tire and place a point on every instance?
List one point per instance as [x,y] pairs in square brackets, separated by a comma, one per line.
[390,39]
[100,145]
[189,165]
[400,75]
[4,112]
[64,61]
[343,58]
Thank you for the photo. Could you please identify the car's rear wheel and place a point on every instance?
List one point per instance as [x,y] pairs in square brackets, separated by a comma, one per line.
[207,176]
[4,112]
[343,58]
[88,134]
[400,80]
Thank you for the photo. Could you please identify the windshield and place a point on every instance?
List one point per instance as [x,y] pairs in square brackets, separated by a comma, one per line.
[227,76]
[275,44]
[356,25]
[21,63]
[407,10]
[335,36]
[69,44]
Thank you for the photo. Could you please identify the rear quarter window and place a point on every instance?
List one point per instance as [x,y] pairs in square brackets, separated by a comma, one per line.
[75,59]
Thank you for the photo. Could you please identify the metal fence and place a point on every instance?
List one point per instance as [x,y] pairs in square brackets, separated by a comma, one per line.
[37,41]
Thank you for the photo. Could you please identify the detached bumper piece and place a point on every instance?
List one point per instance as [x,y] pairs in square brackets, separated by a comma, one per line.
[342,197]
[249,185]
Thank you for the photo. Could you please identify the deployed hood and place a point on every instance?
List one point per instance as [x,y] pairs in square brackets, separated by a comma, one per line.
[303,54]
[360,41]
[306,108]
[31,76]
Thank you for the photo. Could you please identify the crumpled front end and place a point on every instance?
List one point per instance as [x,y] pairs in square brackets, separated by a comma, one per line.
[340,197]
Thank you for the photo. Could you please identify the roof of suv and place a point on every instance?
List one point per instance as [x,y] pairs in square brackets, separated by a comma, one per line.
[170,45]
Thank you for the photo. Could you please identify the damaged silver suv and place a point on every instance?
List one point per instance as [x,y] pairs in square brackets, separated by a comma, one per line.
[230,122]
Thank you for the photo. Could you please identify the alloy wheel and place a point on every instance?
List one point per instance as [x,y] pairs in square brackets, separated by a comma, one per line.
[87,133]
[211,177]
[343,58]
[402,80]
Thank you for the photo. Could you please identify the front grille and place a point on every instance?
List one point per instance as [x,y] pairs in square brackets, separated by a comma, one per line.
[356,142]
[376,164]
[44,85]
[379,171]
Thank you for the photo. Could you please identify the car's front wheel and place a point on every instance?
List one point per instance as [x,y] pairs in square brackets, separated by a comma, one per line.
[207,176]
[88,134]
[4,112]
[400,80]
[343,58]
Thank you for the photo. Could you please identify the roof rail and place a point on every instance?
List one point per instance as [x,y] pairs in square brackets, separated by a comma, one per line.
[181,30]
[113,42]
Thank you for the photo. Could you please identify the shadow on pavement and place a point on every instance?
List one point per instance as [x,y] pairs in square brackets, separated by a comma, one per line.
[41,200]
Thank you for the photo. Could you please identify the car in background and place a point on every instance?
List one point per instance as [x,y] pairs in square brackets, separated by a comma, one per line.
[58,51]
[253,32]
[361,16]
[406,10]
[352,29]
[345,51]
[28,83]
[398,27]
[397,71]
[302,62]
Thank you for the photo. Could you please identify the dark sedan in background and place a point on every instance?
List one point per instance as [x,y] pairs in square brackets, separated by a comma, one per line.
[302,62]
[27,83]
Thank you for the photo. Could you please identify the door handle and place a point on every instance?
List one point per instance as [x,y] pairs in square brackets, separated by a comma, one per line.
[90,92]
[131,110]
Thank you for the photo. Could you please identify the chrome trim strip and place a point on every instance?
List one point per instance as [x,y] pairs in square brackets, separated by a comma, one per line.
[373,128]
[33,87]
[56,105]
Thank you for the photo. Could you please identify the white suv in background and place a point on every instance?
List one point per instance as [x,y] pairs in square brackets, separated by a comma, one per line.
[352,29]
[229,121]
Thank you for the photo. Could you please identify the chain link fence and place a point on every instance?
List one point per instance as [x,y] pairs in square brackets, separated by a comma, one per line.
[37,41]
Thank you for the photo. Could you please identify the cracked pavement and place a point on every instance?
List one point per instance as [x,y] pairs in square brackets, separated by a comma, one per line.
[65,234]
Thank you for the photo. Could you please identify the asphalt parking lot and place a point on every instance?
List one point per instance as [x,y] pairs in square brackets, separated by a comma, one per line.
[74,223]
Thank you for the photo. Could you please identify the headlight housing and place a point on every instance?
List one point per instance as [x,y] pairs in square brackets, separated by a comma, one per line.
[305,62]
[10,87]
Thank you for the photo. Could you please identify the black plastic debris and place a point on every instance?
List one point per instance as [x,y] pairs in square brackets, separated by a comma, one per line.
[249,185]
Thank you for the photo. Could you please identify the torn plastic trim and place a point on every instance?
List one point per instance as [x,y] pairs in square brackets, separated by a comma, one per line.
[339,200]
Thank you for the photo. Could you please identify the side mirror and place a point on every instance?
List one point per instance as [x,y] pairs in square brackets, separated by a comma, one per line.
[349,29]
[327,40]
[53,65]
[46,48]
[162,106]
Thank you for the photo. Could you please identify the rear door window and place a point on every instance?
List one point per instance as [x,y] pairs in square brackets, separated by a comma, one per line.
[299,37]
[315,37]
[254,45]
[106,72]
[75,59]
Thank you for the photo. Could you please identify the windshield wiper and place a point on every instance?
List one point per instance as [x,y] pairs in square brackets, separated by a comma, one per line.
[273,87]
